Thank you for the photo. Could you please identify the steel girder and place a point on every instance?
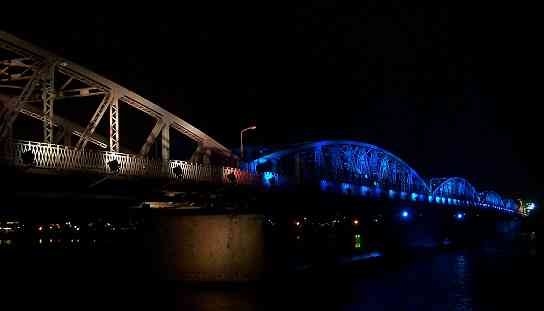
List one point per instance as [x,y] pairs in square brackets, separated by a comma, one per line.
[344,162]
[100,85]
[453,187]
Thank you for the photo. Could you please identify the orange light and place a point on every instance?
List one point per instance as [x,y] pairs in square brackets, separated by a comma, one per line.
[355,222]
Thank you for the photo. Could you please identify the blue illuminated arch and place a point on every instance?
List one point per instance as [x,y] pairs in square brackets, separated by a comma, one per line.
[510,204]
[342,161]
[491,198]
[453,187]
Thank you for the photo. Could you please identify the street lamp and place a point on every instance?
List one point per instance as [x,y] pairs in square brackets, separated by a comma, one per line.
[242,140]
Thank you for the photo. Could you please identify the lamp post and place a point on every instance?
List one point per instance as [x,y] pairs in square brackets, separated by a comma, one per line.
[242,140]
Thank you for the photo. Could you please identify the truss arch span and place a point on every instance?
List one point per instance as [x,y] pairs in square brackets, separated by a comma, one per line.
[343,161]
[491,198]
[453,187]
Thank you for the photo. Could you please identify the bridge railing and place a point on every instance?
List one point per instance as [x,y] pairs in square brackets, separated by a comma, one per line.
[63,158]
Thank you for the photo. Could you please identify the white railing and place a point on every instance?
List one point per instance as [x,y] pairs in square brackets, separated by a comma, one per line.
[63,158]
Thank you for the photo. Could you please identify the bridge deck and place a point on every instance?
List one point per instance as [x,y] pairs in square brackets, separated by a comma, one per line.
[58,158]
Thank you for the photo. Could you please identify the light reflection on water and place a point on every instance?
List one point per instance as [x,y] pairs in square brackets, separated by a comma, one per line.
[457,281]
[462,282]
[6,243]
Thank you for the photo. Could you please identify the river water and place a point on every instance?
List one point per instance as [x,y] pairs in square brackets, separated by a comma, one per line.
[494,276]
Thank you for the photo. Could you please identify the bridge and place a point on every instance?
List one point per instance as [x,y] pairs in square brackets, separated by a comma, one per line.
[360,169]
[33,82]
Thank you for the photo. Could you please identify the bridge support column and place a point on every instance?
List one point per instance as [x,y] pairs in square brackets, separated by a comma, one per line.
[208,248]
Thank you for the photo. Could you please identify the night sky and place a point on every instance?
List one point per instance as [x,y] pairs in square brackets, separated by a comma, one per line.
[453,92]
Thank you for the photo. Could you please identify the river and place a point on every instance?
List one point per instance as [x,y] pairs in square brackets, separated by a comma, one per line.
[494,276]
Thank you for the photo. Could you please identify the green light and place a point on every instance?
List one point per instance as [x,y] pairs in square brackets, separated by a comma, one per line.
[357,241]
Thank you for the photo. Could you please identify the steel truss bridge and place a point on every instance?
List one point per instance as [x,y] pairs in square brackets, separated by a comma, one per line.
[32,80]
[360,169]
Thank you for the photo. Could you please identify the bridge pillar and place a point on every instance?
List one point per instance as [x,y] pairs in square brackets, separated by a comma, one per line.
[207,248]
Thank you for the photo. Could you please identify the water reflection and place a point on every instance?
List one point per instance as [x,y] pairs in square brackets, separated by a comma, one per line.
[211,300]
[6,242]
[357,238]
[446,281]
[462,281]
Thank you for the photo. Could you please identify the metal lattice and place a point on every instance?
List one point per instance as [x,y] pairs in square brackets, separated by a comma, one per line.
[114,125]
[48,98]
[42,77]
[490,199]
[58,157]
[95,119]
[453,187]
[344,162]
[510,204]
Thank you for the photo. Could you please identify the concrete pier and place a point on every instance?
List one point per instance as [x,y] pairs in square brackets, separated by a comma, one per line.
[208,248]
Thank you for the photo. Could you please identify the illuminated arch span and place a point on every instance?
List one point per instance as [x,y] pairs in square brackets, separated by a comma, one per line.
[343,161]
[491,197]
[510,204]
[454,187]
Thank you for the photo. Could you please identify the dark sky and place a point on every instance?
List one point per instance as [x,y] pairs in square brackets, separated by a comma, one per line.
[452,91]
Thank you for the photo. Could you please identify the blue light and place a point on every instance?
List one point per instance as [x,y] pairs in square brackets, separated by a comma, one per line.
[268,175]
[346,187]
[414,196]
[403,195]
[437,200]
[364,190]
[391,193]
[267,178]
[431,199]
[449,201]
[378,192]
[459,216]
[405,214]
[323,185]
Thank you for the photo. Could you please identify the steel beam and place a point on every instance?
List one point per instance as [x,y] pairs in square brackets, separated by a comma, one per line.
[85,92]
[66,83]
[81,92]
[76,129]
[97,116]
[48,98]
[26,49]
[165,143]
[152,137]
[114,125]
[9,113]
[16,77]
[16,62]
